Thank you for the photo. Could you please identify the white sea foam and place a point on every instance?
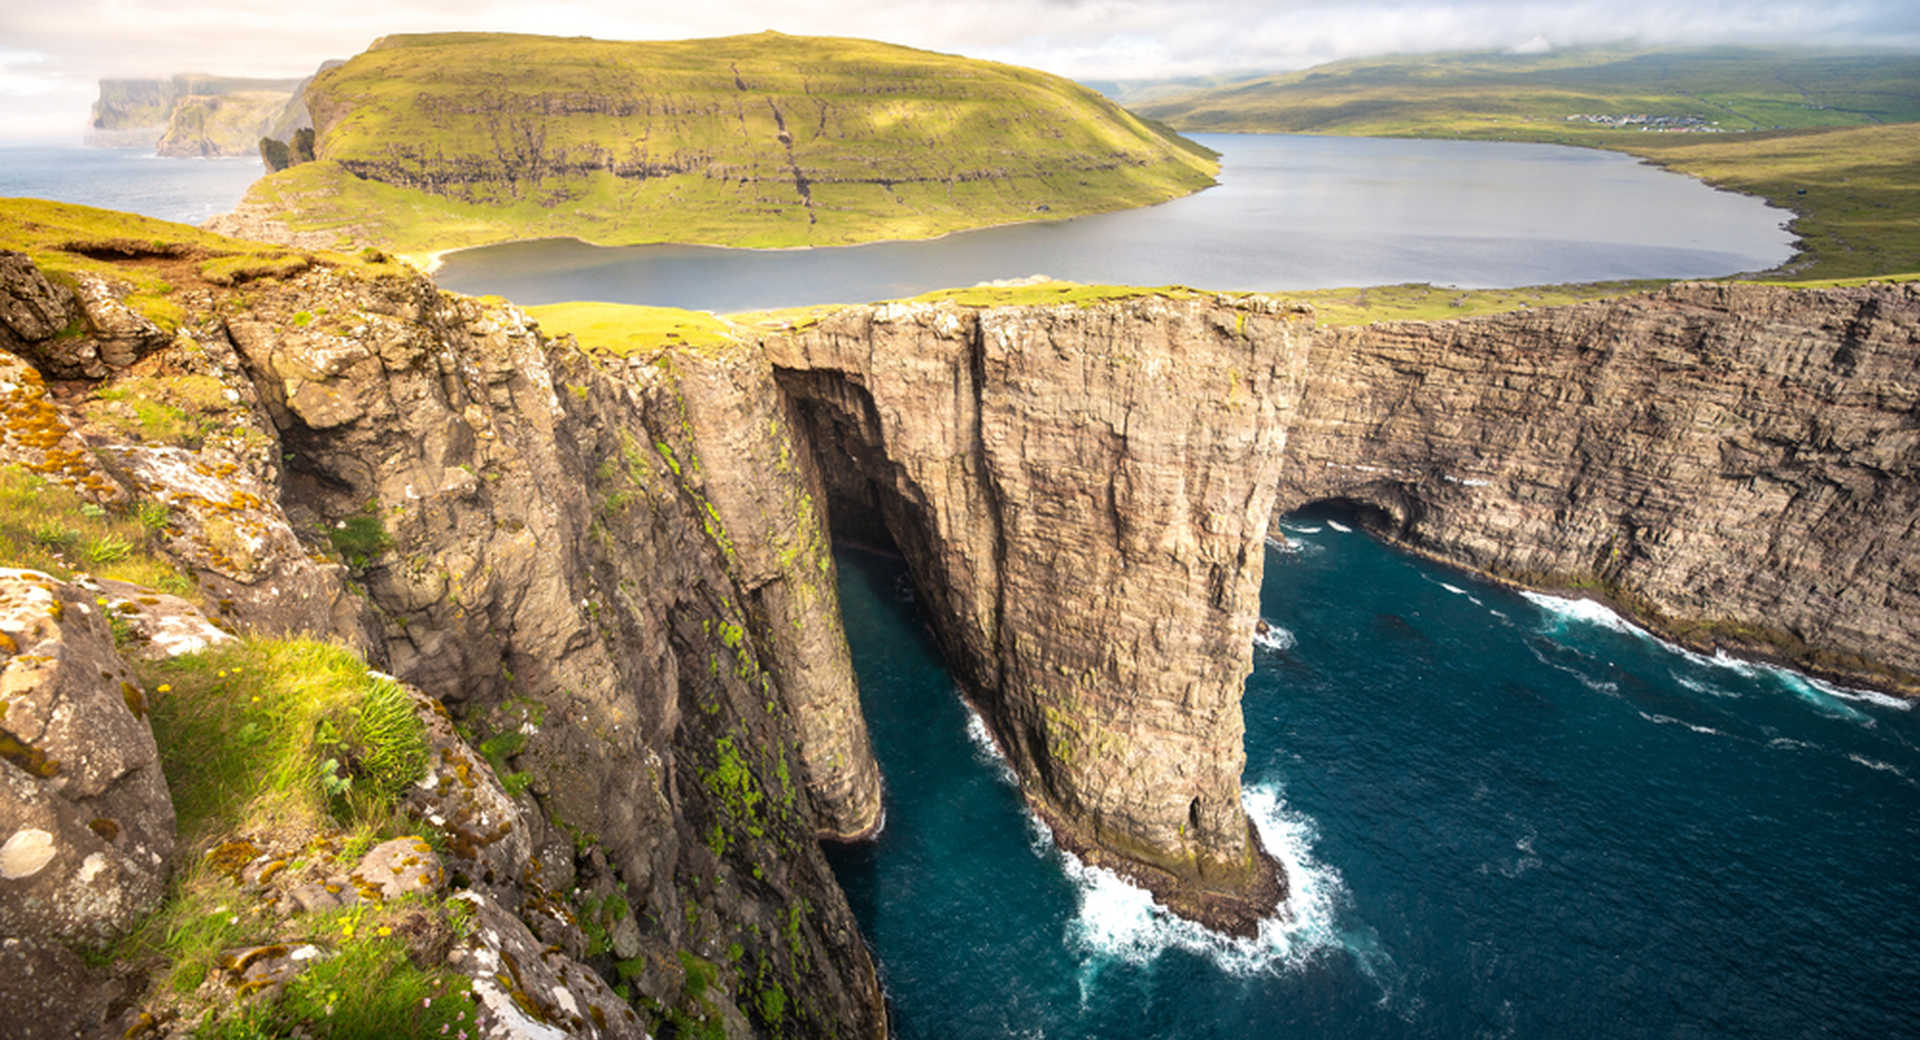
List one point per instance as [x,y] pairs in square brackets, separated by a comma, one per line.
[984,747]
[1700,685]
[1526,861]
[1851,694]
[1455,589]
[1611,689]
[1787,742]
[1340,527]
[1873,763]
[1668,720]
[1824,696]
[1299,529]
[1118,921]
[1274,638]
[1589,611]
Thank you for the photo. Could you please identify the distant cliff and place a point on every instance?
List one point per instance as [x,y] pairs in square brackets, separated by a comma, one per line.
[1737,466]
[192,115]
[430,142]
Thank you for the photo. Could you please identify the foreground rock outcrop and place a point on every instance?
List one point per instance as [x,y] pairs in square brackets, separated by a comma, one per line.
[623,594]
[1081,494]
[1737,466]
[84,807]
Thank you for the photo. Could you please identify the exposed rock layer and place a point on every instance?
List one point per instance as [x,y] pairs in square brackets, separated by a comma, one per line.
[1081,494]
[574,551]
[1737,466]
[191,115]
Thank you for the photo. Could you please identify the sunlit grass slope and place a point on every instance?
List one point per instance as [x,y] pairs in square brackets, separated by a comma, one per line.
[1530,96]
[442,141]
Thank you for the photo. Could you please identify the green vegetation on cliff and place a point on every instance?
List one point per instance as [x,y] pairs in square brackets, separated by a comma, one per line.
[1828,134]
[155,259]
[435,142]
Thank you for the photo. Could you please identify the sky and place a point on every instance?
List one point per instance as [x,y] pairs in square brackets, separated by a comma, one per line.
[52,52]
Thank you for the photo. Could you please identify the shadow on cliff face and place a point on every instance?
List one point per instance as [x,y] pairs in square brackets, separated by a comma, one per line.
[1388,520]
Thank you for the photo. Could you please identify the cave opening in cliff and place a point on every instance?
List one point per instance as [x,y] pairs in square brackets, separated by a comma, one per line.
[1353,512]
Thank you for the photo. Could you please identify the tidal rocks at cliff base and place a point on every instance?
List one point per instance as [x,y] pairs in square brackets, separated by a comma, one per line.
[1229,898]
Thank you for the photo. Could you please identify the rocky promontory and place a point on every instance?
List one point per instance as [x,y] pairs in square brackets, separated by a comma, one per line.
[193,115]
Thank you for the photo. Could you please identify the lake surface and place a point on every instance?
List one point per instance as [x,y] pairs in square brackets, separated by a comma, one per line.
[1291,212]
[131,179]
[1502,815]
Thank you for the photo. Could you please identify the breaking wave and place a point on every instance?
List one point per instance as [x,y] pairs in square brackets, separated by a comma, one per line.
[1115,920]
[1274,638]
[1825,697]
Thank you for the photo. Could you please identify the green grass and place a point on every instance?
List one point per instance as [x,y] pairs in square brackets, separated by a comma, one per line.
[246,730]
[441,142]
[180,409]
[1855,190]
[46,527]
[156,259]
[292,742]
[1530,96]
[1420,302]
[626,330]
[1832,135]
[360,538]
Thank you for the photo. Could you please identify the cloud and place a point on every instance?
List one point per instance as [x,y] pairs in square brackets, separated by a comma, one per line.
[62,46]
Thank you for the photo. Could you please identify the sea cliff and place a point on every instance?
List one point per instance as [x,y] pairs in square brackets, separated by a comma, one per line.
[599,580]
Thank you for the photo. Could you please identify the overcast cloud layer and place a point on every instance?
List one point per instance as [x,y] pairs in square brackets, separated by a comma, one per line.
[52,51]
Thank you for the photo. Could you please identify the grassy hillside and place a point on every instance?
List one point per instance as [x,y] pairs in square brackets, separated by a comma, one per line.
[443,141]
[1833,136]
[1855,190]
[1530,97]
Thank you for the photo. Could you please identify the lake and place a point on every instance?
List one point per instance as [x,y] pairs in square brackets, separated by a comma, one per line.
[1290,212]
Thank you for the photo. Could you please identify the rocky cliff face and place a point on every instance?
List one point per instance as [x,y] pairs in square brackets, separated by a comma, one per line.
[1737,466]
[613,573]
[1081,494]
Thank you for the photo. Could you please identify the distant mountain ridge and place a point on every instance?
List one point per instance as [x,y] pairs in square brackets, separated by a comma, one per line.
[1545,96]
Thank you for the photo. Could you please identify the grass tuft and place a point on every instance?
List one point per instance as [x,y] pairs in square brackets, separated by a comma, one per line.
[46,527]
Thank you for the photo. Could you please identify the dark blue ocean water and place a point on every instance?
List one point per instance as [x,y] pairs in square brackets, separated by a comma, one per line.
[131,179]
[1502,816]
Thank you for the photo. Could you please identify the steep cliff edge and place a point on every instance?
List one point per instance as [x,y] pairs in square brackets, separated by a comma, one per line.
[190,115]
[634,637]
[1737,466]
[1081,494]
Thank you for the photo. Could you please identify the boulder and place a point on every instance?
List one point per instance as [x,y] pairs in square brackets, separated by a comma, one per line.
[86,823]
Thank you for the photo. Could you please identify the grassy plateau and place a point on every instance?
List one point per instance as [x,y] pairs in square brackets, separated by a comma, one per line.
[435,142]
